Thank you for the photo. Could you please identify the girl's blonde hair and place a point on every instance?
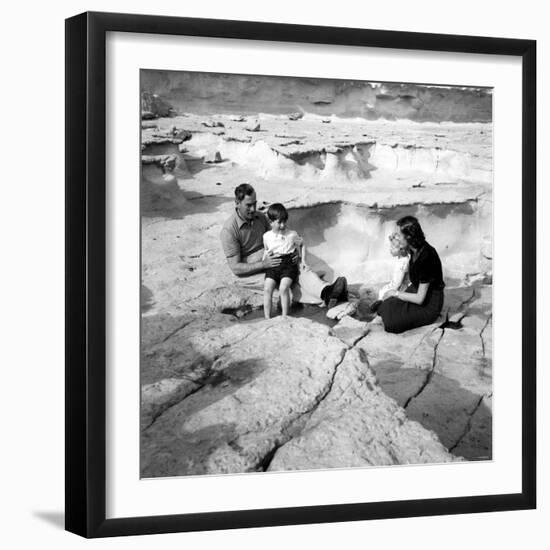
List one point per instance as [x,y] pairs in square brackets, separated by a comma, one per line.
[396,243]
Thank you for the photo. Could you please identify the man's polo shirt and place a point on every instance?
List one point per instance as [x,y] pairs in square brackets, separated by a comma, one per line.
[242,237]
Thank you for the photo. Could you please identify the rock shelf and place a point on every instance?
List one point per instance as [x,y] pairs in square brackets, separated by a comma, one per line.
[223,394]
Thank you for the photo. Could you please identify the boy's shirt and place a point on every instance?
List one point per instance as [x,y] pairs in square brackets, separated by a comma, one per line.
[282,243]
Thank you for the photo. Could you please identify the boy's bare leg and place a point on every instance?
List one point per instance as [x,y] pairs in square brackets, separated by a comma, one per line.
[269,287]
[284,293]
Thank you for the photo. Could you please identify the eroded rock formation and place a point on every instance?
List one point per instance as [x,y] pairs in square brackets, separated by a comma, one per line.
[223,392]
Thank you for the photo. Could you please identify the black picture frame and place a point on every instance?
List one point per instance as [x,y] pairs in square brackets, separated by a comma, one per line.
[86,273]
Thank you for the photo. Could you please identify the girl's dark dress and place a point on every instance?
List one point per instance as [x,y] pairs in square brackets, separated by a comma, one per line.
[399,316]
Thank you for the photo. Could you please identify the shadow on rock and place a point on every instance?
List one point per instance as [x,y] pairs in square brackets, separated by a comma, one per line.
[460,418]
[198,452]
[146,299]
[190,437]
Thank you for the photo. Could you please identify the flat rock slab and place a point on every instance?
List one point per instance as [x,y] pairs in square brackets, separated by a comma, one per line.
[246,407]
[262,403]
[443,376]
[358,425]
[349,330]
[476,442]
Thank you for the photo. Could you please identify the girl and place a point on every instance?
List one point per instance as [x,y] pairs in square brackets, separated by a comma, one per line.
[400,269]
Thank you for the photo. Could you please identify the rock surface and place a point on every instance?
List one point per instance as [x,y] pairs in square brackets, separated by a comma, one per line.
[252,400]
[224,394]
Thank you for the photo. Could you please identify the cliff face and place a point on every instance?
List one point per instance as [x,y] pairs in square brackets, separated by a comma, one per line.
[207,93]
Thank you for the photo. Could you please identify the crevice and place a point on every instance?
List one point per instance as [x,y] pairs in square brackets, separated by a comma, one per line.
[481,334]
[469,300]
[205,292]
[263,465]
[201,381]
[181,327]
[424,336]
[468,426]
[362,338]
[430,374]
[291,430]
[454,325]
[204,252]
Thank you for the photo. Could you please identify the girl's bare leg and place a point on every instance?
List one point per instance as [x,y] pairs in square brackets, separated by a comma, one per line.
[269,287]
[284,292]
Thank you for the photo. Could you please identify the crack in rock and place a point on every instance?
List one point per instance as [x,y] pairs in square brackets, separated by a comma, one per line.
[201,382]
[481,334]
[430,374]
[469,300]
[468,425]
[292,429]
[175,331]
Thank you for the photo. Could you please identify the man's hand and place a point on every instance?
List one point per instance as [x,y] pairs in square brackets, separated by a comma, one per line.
[295,257]
[271,261]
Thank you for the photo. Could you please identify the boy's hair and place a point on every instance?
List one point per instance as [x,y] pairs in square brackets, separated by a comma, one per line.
[242,190]
[277,212]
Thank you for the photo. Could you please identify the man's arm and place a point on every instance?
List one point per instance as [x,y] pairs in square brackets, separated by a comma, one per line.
[242,269]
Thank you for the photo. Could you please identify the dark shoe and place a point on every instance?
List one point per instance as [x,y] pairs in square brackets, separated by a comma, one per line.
[335,291]
[375,305]
[344,294]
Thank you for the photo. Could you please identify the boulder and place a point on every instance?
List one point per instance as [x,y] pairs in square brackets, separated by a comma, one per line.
[213,157]
[253,127]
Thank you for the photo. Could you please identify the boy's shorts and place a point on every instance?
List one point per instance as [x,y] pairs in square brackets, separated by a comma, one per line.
[285,269]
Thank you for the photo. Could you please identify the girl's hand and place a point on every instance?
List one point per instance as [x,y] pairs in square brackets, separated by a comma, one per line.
[389,293]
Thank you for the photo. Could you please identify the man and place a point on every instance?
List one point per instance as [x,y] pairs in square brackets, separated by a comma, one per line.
[242,244]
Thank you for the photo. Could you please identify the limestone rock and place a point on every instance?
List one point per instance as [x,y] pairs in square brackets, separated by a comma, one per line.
[213,124]
[257,389]
[357,425]
[213,157]
[295,116]
[349,330]
[253,127]
[153,106]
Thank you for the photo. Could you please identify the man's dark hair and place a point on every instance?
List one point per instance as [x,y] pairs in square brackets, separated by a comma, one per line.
[242,190]
[277,212]
[410,227]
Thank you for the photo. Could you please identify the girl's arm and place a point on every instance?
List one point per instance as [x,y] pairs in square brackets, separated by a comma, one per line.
[398,276]
[417,297]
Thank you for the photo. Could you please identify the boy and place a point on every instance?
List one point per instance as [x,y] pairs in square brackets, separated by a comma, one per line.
[284,243]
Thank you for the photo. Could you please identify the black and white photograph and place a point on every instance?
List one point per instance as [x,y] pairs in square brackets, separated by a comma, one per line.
[316,273]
